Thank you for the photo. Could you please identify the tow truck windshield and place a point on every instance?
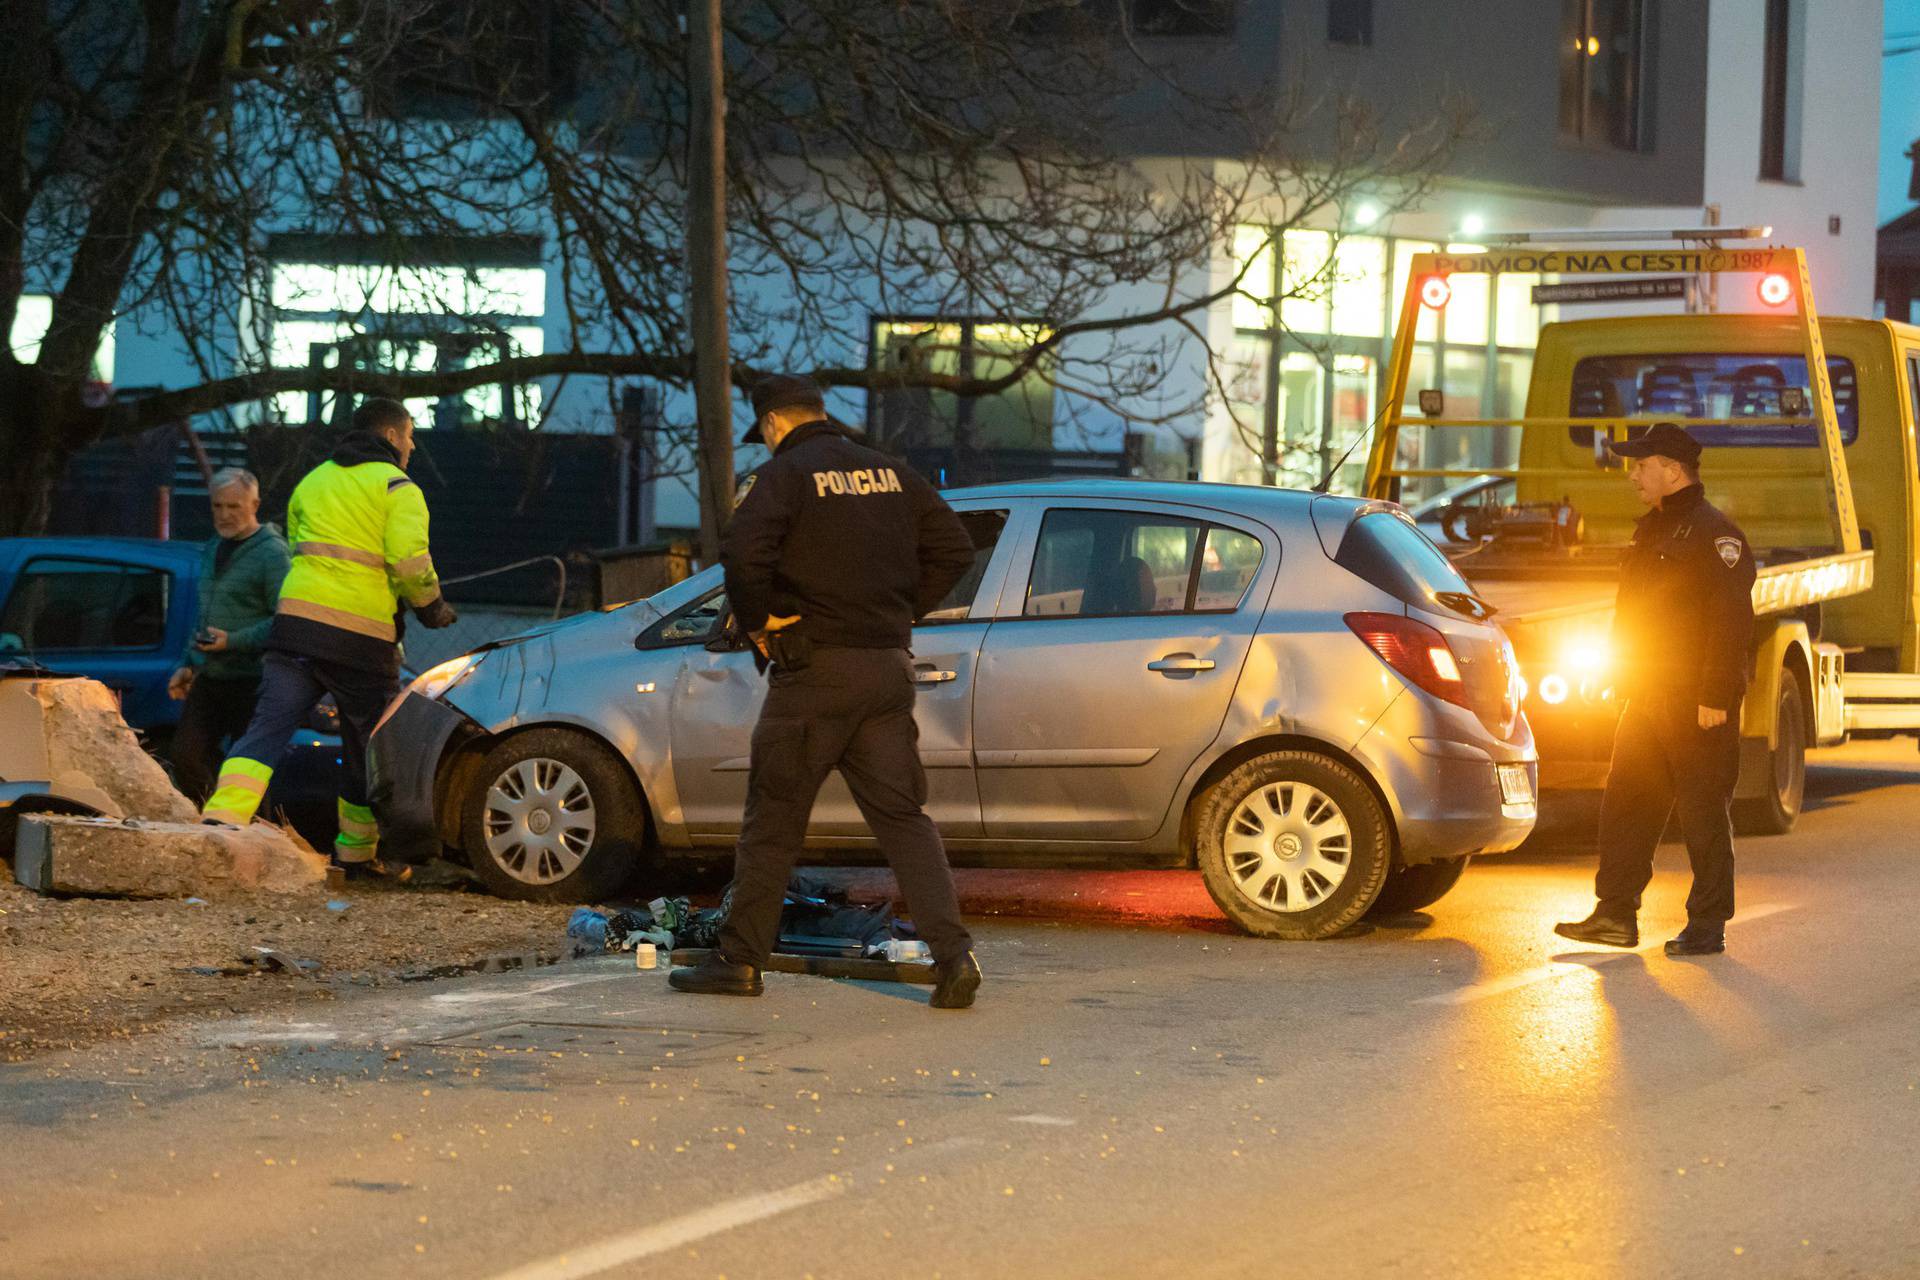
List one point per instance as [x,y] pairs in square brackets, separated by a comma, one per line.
[1716,390]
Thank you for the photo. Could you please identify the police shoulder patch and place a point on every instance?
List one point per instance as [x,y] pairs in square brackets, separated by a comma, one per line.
[1729,549]
[746,487]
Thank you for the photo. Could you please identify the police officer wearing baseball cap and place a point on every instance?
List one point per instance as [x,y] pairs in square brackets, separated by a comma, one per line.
[834,551]
[1682,637]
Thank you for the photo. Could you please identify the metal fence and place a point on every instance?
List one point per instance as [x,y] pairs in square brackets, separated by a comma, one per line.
[493,604]
[510,598]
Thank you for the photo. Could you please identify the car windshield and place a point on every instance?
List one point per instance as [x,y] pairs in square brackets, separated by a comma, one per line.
[1386,549]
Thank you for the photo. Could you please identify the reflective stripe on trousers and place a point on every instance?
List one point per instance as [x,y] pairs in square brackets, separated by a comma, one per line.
[242,785]
[359,836]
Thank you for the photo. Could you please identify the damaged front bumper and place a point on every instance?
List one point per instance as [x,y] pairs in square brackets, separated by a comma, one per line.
[403,772]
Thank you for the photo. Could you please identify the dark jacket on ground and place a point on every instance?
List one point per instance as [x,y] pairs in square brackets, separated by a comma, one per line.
[239,600]
[1683,622]
[852,540]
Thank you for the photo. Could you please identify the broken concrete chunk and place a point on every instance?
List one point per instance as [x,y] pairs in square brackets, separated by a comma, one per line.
[109,858]
[85,741]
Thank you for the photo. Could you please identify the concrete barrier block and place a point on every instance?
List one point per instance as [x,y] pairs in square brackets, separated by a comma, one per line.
[106,857]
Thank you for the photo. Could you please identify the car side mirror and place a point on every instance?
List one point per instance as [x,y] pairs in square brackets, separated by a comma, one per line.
[726,640]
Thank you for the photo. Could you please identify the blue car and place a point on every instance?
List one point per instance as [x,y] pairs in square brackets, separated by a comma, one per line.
[121,611]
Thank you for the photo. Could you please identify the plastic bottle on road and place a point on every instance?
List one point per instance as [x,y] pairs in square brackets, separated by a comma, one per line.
[908,951]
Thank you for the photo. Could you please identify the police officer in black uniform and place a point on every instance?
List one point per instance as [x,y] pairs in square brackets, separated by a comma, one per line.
[1682,639]
[834,550]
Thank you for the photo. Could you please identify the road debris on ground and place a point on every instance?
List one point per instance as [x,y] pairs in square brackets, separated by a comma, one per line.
[79,970]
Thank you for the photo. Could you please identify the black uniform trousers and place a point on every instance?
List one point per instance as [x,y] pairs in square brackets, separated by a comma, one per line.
[1665,764]
[216,711]
[851,710]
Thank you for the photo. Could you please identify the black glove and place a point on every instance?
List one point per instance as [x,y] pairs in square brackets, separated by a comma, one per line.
[436,613]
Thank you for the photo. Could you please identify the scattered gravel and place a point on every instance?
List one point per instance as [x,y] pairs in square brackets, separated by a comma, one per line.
[76,971]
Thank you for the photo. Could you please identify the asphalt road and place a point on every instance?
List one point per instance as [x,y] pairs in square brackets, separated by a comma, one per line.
[1139,1092]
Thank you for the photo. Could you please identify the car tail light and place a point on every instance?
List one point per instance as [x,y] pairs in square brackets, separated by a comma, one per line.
[1415,650]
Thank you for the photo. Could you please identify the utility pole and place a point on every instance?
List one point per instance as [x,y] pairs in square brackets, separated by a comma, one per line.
[707,269]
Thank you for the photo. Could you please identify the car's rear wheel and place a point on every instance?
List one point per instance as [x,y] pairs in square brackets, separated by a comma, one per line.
[1292,844]
[1775,810]
[554,816]
[1411,888]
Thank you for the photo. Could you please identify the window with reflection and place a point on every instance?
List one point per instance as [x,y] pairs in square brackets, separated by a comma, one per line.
[1314,320]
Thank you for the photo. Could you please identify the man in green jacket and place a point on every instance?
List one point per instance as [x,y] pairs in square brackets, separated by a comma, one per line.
[359,531]
[219,679]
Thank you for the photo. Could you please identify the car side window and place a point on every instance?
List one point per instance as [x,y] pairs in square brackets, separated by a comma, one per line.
[694,623]
[1227,568]
[87,605]
[1124,563]
[984,527]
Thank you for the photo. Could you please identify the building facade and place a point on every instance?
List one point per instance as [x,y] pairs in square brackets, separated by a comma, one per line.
[1591,114]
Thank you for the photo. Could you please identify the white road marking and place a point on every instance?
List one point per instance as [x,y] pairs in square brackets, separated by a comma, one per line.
[226,1035]
[1587,960]
[1059,1122]
[514,994]
[603,1255]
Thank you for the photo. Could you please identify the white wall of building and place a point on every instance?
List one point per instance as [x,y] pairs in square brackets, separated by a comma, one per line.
[1836,140]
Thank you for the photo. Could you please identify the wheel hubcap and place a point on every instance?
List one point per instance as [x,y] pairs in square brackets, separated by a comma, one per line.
[538,820]
[1288,847]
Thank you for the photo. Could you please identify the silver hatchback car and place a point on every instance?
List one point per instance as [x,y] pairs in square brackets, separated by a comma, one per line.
[1294,692]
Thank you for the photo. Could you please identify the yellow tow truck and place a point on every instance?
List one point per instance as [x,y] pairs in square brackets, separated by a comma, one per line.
[1801,418]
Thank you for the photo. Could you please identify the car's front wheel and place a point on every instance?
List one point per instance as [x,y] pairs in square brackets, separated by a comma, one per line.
[1292,844]
[554,816]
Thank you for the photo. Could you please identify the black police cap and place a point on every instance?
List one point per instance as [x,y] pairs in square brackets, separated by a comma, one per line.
[782,391]
[1666,439]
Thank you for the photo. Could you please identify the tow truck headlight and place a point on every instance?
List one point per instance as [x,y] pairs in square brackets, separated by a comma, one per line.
[1584,668]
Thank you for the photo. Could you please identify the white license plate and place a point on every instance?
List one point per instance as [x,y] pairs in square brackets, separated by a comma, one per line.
[1515,786]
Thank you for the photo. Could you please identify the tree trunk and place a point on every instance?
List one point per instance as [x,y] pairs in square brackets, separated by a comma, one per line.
[38,434]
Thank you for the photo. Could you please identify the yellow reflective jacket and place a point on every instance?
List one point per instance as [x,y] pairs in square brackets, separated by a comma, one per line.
[358,530]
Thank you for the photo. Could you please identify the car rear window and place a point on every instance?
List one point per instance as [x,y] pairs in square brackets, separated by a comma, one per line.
[1711,393]
[1386,549]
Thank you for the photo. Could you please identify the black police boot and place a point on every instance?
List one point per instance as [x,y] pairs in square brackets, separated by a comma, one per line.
[1699,938]
[716,975]
[1607,930]
[955,983]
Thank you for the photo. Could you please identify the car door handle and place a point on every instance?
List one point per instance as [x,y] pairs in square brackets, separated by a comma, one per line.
[927,675]
[1180,664]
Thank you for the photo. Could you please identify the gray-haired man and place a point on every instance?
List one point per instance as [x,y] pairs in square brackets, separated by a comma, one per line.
[219,677]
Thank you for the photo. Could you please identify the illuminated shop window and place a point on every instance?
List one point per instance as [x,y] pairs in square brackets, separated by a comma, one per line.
[1304,389]
[407,319]
[1020,417]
